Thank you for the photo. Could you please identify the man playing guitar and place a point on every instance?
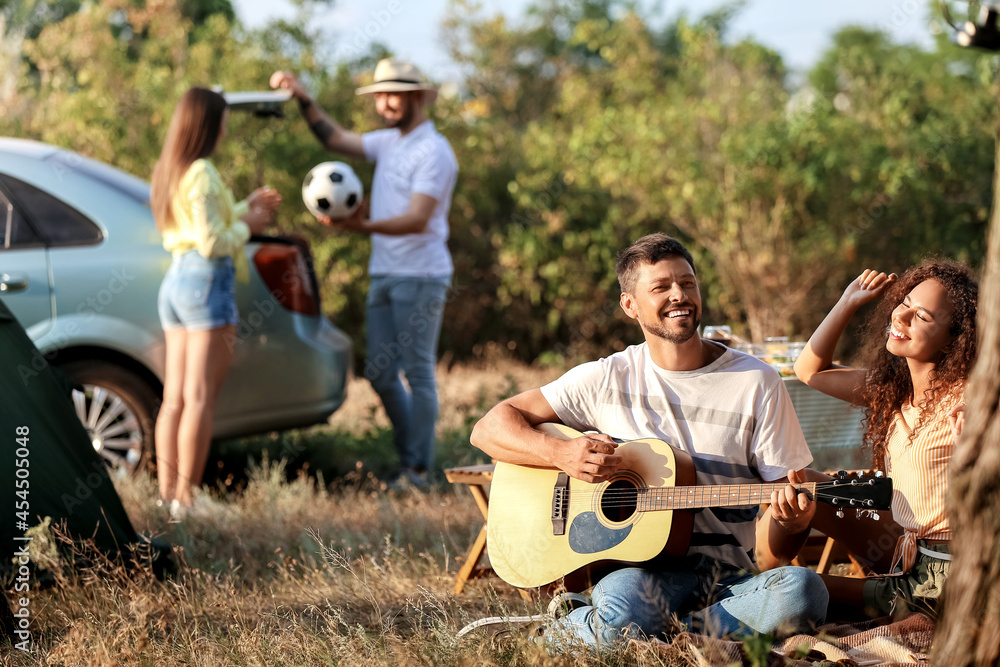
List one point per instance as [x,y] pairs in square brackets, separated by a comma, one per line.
[729,411]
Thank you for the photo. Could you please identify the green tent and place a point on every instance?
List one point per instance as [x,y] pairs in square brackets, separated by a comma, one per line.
[49,467]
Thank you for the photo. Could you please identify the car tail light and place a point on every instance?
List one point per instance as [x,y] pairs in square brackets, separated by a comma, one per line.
[286,272]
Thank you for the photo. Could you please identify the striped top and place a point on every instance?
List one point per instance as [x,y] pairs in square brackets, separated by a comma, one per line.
[918,465]
[733,416]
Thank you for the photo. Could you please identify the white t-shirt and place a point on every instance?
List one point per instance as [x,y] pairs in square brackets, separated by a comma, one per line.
[733,416]
[423,162]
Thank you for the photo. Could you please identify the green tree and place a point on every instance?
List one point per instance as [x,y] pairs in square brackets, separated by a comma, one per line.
[691,142]
[781,196]
[919,172]
[577,129]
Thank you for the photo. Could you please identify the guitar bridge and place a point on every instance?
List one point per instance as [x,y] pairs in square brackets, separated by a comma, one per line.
[560,504]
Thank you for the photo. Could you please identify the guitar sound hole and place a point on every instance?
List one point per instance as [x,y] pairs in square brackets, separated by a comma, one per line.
[619,500]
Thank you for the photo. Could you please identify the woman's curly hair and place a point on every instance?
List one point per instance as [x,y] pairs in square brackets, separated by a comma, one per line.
[888,385]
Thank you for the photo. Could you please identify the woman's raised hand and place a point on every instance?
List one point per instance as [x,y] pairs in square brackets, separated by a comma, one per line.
[867,287]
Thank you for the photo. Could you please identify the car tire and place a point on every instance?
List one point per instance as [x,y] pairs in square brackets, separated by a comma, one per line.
[118,409]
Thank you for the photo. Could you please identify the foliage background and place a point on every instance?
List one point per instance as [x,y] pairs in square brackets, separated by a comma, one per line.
[578,128]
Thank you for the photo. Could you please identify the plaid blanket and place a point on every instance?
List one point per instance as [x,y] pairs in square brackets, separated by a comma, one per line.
[878,642]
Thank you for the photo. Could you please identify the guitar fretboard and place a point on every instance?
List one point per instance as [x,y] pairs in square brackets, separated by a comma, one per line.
[723,495]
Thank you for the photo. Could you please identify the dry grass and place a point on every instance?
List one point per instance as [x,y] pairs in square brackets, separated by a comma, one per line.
[289,573]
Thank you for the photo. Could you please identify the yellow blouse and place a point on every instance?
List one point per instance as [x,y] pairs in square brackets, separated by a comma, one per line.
[918,463]
[207,218]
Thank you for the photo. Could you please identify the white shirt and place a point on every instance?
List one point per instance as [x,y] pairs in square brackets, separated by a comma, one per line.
[423,162]
[733,416]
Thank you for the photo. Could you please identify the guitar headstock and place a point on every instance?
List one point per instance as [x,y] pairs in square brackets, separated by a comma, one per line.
[864,492]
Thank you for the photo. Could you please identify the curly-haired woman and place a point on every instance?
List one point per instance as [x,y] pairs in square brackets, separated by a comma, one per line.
[922,344]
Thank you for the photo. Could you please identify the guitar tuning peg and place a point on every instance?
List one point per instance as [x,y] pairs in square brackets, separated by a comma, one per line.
[875,516]
[840,514]
[842,474]
[879,473]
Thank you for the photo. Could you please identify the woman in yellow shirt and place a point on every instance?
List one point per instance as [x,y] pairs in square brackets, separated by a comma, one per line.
[922,342]
[206,230]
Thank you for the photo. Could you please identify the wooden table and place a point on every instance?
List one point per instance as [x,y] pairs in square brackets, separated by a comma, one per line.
[477,478]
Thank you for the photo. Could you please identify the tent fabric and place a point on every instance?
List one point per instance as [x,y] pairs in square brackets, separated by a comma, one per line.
[66,479]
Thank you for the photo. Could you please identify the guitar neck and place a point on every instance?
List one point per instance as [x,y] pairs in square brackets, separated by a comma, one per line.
[652,499]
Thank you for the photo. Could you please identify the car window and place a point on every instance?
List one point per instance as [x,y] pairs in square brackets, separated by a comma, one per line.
[57,223]
[15,232]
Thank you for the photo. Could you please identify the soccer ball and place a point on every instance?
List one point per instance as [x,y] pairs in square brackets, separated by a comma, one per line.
[332,189]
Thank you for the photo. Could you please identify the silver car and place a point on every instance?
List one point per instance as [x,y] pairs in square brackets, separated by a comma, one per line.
[80,267]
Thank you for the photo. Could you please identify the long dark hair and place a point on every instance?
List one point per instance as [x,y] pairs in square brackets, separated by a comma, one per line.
[888,385]
[193,134]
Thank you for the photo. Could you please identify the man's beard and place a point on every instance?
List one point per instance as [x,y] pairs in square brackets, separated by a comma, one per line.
[403,121]
[659,330]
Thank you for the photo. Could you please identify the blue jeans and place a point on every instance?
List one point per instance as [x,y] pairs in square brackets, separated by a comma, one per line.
[714,598]
[404,324]
[198,293]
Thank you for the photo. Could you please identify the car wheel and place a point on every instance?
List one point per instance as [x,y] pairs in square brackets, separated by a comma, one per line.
[118,410]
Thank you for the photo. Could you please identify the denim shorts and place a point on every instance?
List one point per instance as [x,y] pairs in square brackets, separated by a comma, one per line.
[198,293]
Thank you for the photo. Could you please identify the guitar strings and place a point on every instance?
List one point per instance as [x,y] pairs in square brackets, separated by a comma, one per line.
[631,497]
[693,489]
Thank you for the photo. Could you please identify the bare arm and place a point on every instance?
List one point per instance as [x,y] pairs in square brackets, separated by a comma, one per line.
[506,433]
[814,365]
[414,221]
[328,132]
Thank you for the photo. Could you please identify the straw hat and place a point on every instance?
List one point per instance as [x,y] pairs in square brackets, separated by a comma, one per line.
[397,76]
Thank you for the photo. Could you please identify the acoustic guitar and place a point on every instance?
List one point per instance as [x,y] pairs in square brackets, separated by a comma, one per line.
[544,525]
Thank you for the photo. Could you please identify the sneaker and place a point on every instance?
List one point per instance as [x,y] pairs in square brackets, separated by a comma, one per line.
[178,512]
[408,479]
[562,604]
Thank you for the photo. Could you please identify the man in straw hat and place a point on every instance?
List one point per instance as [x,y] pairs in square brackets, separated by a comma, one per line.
[410,267]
